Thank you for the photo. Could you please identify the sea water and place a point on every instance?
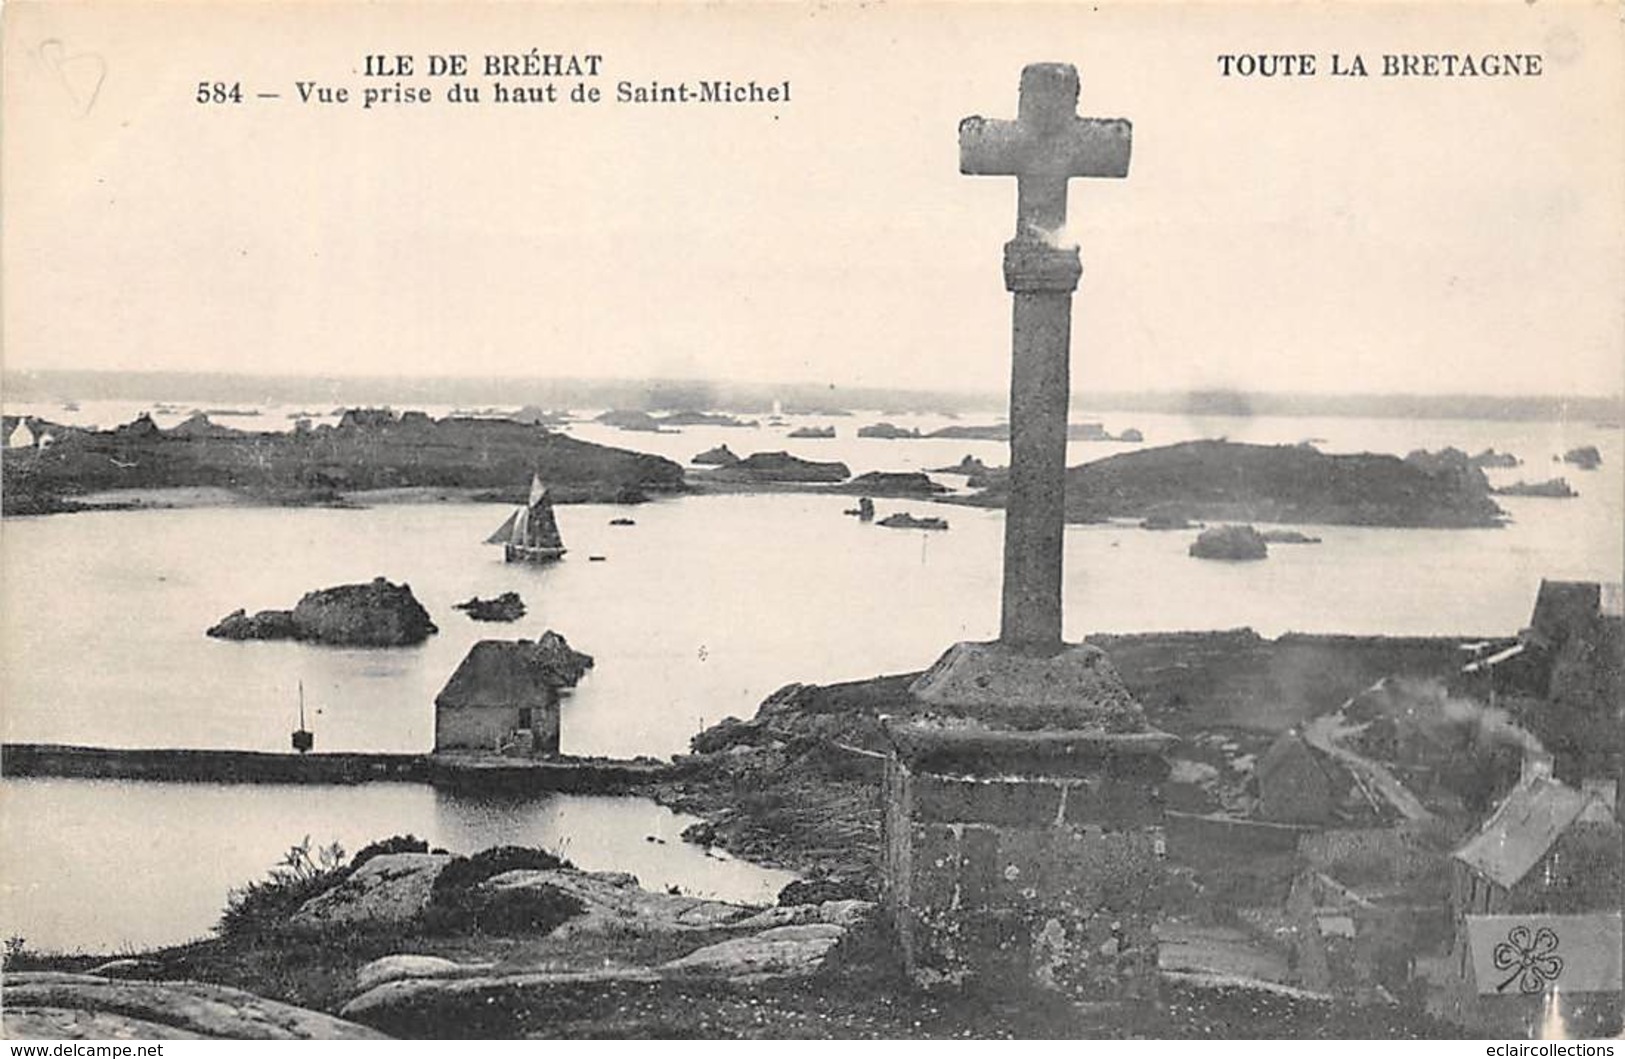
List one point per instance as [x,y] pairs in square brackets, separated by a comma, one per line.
[698,611]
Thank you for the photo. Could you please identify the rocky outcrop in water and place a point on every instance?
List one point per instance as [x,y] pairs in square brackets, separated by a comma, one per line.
[904,520]
[721,456]
[691,418]
[894,484]
[812,433]
[375,614]
[58,1005]
[783,467]
[506,607]
[967,432]
[1220,480]
[888,431]
[970,466]
[1230,542]
[1556,488]
[1288,536]
[1491,458]
[1585,457]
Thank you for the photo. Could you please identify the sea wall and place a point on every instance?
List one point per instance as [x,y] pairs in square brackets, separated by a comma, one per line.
[460,771]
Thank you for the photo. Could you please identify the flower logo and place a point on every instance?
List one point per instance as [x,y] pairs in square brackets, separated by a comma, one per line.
[1530,957]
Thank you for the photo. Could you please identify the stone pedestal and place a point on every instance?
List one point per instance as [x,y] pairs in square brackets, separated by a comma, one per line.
[1033,855]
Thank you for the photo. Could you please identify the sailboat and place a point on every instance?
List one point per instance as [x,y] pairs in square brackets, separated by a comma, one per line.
[531,535]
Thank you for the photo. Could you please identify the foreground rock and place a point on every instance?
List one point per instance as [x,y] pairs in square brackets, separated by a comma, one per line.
[1230,542]
[376,614]
[775,944]
[49,1004]
[1216,481]
[783,467]
[392,888]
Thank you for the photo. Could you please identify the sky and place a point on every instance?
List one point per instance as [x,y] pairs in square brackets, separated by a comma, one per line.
[1319,234]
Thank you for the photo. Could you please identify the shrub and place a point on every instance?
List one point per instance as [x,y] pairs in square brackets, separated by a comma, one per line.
[300,875]
[393,844]
[465,873]
[533,910]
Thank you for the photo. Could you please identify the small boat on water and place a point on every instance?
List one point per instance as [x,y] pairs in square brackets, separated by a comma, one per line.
[531,534]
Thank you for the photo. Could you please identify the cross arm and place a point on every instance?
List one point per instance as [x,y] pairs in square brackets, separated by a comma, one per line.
[1080,147]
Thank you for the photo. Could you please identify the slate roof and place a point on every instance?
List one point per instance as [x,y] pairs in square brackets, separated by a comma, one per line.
[1573,954]
[1522,829]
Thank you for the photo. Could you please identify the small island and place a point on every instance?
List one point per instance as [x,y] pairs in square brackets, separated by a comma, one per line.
[1585,457]
[894,484]
[721,456]
[1227,481]
[886,430]
[506,607]
[1233,543]
[782,467]
[904,520]
[1553,488]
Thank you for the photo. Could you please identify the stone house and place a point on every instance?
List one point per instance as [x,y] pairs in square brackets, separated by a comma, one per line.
[1539,976]
[504,697]
[1298,784]
[1366,904]
[1535,897]
[1547,848]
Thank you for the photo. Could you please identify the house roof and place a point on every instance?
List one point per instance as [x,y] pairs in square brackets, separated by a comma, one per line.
[1292,751]
[499,673]
[1522,829]
[1572,954]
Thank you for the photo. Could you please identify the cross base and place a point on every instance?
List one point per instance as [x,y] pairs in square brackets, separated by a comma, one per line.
[1074,688]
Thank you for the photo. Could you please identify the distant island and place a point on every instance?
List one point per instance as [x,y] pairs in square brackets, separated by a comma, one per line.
[751,397]
[368,449]
[1226,481]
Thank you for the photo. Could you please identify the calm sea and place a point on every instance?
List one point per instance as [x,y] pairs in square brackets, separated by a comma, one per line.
[699,611]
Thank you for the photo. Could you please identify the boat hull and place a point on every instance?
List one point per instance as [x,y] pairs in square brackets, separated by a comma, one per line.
[519,553]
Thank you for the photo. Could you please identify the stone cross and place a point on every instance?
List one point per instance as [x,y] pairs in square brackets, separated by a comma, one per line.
[1047,145]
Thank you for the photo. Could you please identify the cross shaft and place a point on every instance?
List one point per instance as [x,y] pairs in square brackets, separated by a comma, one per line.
[1045,147]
